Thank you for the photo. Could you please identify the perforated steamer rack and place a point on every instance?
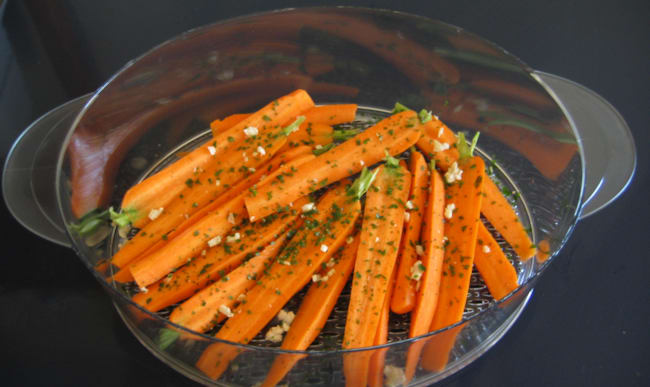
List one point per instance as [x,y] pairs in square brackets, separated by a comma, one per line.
[554,144]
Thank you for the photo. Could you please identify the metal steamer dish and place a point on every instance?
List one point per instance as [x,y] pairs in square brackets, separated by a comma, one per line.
[558,150]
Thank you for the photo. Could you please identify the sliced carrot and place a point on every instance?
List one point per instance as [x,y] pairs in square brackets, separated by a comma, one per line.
[220,126]
[313,134]
[495,269]
[393,135]
[432,239]
[461,229]
[314,243]
[438,142]
[188,244]
[381,232]
[314,310]
[331,114]
[502,216]
[211,305]
[462,213]
[377,359]
[217,262]
[437,348]
[429,284]
[403,298]
[159,189]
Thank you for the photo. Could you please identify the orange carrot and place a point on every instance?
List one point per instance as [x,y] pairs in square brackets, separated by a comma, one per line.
[159,189]
[313,134]
[187,244]
[217,262]
[438,142]
[314,243]
[376,365]
[220,126]
[403,298]
[381,233]
[313,312]
[213,303]
[429,284]
[331,114]
[437,348]
[502,216]
[461,229]
[462,213]
[497,272]
[393,135]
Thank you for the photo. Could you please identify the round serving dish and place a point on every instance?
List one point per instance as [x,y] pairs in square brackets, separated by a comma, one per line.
[540,129]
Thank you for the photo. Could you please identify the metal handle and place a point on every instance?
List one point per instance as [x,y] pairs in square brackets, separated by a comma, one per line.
[608,149]
[28,178]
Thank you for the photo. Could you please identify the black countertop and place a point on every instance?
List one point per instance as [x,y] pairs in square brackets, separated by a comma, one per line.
[587,323]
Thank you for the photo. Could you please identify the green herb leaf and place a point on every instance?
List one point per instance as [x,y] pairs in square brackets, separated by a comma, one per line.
[391,161]
[432,164]
[344,134]
[360,186]
[466,150]
[323,149]
[293,126]
[123,218]
[425,116]
[166,337]
[399,108]
[90,222]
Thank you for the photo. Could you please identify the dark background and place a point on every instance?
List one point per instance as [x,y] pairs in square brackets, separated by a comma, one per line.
[588,321]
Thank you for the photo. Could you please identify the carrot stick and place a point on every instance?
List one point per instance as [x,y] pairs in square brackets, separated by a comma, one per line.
[217,262]
[462,213]
[497,271]
[381,232]
[429,285]
[331,114]
[313,134]
[502,216]
[188,243]
[393,135]
[403,298]
[313,312]
[437,348]
[157,190]
[314,243]
[438,143]
[376,366]
[211,305]
[461,229]
[220,126]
